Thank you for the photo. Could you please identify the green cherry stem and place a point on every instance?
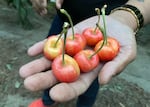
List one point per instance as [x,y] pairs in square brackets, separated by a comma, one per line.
[103,43]
[98,13]
[103,31]
[98,22]
[62,32]
[65,27]
[63,11]
[104,22]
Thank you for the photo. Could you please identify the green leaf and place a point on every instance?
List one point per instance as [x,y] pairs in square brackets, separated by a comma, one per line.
[9,67]
[17,84]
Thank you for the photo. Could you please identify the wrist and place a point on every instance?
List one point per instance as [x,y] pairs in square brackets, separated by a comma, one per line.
[126,18]
[131,14]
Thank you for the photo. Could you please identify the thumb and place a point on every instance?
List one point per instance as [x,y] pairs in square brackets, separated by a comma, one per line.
[114,67]
[109,70]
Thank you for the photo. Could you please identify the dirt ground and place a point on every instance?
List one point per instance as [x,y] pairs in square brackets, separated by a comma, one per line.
[14,41]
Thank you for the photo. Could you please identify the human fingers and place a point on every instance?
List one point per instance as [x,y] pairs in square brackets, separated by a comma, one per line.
[43,7]
[40,81]
[34,67]
[36,49]
[67,91]
[59,4]
[127,54]
[40,6]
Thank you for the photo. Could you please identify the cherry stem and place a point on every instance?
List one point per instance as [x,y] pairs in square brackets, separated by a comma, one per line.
[104,22]
[69,18]
[65,28]
[98,13]
[103,43]
[103,31]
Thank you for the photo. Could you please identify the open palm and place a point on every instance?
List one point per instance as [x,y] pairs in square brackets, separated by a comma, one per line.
[36,79]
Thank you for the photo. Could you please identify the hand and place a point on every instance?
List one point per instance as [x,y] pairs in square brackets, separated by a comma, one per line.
[125,35]
[41,6]
[36,80]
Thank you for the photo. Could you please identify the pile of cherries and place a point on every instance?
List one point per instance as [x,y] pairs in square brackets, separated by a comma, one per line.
[69,54]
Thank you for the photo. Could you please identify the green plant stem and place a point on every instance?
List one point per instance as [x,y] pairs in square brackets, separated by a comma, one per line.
[69,18]
[65,27]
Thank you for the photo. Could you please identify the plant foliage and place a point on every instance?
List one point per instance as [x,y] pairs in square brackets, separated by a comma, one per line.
[23,7]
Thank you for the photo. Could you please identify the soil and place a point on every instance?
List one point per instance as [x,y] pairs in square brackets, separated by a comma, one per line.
[14,42]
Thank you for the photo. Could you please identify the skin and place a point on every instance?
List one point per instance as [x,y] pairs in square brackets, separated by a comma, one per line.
[35,80]
[40,6]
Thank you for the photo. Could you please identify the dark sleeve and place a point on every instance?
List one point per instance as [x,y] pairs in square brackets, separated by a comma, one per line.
[82,9]
[56,26]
